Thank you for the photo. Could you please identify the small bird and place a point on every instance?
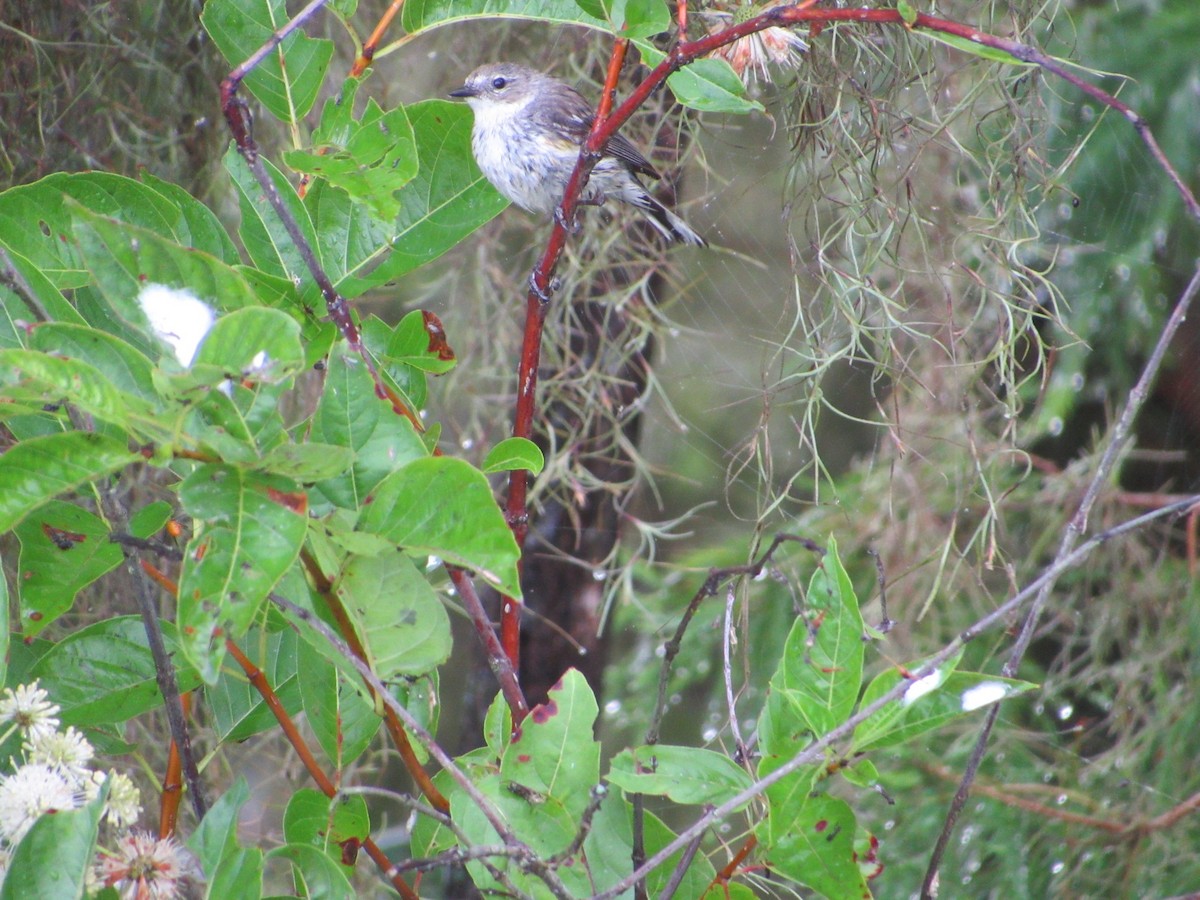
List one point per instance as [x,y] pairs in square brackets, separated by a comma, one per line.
[529,127]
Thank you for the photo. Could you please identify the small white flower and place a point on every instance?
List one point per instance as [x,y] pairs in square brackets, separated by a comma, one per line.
[144,867]
[29,708]
[66,750]
[124,801]
[29,792]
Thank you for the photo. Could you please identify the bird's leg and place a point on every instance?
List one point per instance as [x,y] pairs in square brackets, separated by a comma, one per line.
[572,226]
[544,296]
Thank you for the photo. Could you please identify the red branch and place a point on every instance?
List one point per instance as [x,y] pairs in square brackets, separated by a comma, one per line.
[328,788]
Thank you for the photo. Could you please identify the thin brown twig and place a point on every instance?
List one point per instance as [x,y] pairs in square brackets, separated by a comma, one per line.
[529,860]
[328,788]
[395,729]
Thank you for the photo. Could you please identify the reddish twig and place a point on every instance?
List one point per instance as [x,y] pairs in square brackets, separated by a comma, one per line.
[498,660]
[172,788]
[328,788]
[372,44]
[394,727]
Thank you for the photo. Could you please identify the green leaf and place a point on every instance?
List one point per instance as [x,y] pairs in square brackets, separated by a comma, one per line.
[216,836]
[262,343]
[992,54]
[51,300]
[246,535]
[36,224]
[812,842]
[822,661]
[907,12]
[317,876]
[54,858]
[553,753]
[638,18]
[288,79]
[63,549]
[121,364]
[37,379]
[123,257]
[684,774]
[313,820]
[38,469]
[419,15]
[929,703]
[403,626]
[447,200]
[104,674]
[708,84]
[266,240]
[350,415]
[339,715]
[609,844]
[420,341]
[514,453]
[369,160]
[497,725]
[238,709]
[238,876]
[308,462]
[443,507]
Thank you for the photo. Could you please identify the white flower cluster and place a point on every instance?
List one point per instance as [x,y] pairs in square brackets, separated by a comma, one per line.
[56,775]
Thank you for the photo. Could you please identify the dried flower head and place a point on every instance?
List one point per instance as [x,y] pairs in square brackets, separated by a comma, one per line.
[750,56]
[143,867]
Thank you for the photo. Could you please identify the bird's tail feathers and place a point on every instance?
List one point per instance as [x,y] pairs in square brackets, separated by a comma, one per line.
[668,224]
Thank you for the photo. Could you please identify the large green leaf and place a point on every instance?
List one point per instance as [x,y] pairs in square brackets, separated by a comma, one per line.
[63,549]
[443,507]
[418,15]
[36,224]
[122,365]
[327,826]
[447,200]
[288,79]
[399,619]
[554,753]
[39,469]
[216,836]
[684,774]
[822,661]
[263,234]
[342,719]
[104,674]
[36,379]
[317,876]
[929,703]
[811,840]
[350,415]
[246,536]
[238,709]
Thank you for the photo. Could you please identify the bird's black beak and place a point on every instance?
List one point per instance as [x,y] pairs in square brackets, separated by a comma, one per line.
[464,91]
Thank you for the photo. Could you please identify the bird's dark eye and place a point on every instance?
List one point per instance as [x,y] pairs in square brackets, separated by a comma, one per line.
[498,83]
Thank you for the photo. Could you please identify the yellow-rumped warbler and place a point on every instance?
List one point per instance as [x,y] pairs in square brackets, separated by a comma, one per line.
[528,131]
